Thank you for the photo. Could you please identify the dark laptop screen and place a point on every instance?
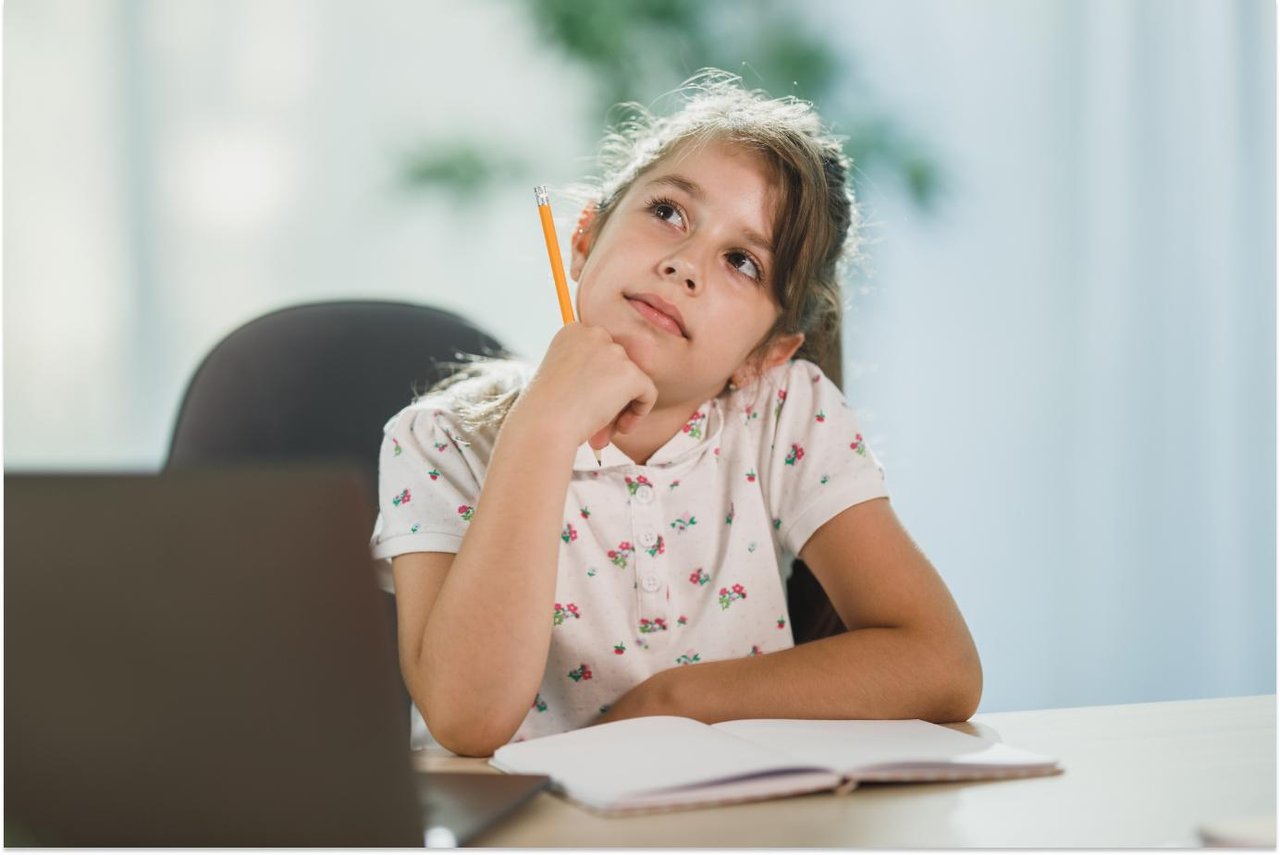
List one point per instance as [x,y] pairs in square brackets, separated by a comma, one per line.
[199,659]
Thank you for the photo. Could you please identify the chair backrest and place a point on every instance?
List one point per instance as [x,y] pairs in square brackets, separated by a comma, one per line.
[317,382]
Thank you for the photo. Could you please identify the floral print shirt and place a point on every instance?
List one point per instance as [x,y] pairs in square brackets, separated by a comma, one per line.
[662,565]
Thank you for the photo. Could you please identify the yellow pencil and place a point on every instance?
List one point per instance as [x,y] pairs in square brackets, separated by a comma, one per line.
[553,252]
[557,265]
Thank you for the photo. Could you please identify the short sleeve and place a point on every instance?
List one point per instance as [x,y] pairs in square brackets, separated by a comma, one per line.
[429,477]
[818,463]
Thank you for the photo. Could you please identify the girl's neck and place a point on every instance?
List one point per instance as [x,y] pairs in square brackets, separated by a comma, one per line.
[653,431]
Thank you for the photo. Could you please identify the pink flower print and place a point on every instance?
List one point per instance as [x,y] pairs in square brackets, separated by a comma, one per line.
[688,658]
[582,672]
[563,613]
[782,622]
[658,548]
[640,481]
[682,621]
[716,451]
[395,447]
[755,650]
[401,499]
[620,555]
[434,473]
[698,577]
[693,427]
[749,413]
[681,523]
[648,625]
[570,534]
[782,399]
[584,512]
[820,417]
[619,648]
[539,704]
[797,453]
[441,446]
[466,512]
[673,485]
[858,445]
[728,596]
[751,477]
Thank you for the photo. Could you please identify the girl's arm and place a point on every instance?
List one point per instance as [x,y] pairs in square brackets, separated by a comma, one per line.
[475,628]
[907,654]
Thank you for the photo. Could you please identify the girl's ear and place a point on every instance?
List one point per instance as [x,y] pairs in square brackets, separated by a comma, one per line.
[580,245]
[779,351]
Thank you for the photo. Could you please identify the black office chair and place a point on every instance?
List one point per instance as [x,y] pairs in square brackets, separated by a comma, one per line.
[316,383]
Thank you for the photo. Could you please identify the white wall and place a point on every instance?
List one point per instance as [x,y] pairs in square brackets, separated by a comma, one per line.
[1067,368]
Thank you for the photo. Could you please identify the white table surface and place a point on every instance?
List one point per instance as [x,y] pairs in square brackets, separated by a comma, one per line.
[1135,775]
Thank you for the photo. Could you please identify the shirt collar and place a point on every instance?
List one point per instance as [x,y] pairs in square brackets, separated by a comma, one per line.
[700,434]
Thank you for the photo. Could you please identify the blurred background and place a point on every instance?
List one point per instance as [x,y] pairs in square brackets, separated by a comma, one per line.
[1061,338]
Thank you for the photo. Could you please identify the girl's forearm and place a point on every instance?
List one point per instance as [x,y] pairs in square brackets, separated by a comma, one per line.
[487,637]
[872,673]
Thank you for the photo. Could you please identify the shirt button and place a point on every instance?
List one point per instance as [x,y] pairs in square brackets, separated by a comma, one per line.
[649,538]
[650,584]
[644,494]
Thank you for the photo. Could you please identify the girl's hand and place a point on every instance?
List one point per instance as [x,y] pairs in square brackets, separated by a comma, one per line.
[652,697]
[588,387]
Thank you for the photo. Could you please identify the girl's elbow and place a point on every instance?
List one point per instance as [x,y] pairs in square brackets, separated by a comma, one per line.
[963,689]
[952,688]
[467,741]
[464,732]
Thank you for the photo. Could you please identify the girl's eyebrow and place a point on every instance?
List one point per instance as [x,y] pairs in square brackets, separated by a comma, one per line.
[695,190]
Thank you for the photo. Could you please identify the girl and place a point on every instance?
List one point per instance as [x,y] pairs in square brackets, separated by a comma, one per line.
[540,591]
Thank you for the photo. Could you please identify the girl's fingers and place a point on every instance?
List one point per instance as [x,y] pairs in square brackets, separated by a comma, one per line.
[602,437]
[626,421]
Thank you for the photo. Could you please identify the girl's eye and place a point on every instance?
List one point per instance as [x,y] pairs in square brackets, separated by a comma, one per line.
[666,211]
[745,264]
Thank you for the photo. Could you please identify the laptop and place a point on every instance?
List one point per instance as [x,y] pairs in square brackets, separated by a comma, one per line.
[202,658]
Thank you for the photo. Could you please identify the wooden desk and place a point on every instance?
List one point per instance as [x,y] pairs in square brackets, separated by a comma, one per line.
[1138,775]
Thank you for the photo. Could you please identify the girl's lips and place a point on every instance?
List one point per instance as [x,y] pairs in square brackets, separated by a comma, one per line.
[661,320]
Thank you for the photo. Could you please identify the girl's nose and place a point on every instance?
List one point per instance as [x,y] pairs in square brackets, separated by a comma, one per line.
[681,269]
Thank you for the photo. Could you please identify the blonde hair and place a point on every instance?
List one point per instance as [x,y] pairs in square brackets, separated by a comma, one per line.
[815,226]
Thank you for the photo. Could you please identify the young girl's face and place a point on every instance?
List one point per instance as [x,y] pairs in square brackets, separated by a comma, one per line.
[680,274]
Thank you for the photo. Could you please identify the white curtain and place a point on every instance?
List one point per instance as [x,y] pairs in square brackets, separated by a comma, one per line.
[1070,367]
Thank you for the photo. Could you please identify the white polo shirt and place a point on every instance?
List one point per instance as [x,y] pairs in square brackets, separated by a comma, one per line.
[678,561]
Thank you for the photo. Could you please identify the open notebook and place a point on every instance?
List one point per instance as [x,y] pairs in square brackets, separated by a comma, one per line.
[667,763]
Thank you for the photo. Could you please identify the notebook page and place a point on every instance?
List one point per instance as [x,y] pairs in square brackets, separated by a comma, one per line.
[862,748]
[601,765]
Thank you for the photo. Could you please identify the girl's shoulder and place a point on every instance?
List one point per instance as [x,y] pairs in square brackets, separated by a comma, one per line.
[475,398]
[798,378]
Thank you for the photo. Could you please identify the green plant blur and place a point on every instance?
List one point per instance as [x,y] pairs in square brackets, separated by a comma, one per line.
[636,50]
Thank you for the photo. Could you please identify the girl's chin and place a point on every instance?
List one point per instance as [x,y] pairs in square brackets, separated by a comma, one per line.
[640,350]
